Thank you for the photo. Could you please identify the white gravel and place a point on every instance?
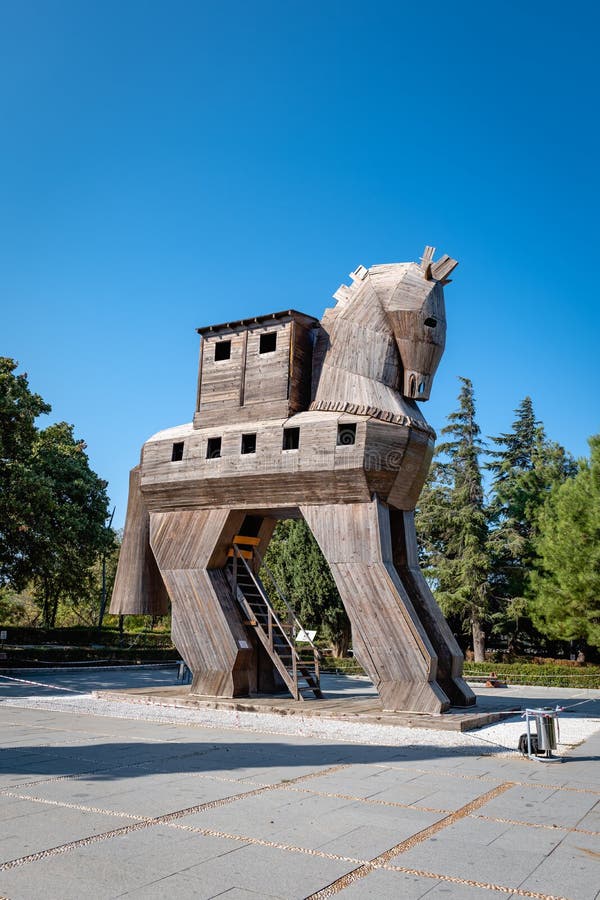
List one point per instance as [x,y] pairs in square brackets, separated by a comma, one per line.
[500,738]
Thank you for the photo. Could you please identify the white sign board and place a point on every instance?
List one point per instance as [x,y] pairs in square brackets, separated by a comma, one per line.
[303,637]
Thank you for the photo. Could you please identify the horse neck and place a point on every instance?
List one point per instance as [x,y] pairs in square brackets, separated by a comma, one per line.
[358,339]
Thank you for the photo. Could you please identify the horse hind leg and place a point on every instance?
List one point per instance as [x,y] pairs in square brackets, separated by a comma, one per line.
[394,646]
[450,658]
[139,588]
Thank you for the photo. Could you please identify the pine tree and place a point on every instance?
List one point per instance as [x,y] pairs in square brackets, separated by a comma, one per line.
[566,583]
[453,524]
[525,467]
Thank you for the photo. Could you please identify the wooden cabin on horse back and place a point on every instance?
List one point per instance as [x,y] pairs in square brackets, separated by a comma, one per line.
[300,417]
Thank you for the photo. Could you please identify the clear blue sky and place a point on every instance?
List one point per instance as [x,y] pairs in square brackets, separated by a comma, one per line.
[166,165]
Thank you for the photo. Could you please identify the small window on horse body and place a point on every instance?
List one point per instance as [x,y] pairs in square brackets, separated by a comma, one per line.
[346,434]
[213,448]
[177,454]
[248,443]
[222,350]
[268,342]
[291,438]
[430,322]
[421,387]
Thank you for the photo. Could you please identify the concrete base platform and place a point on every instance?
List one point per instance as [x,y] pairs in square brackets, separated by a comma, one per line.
[349,708]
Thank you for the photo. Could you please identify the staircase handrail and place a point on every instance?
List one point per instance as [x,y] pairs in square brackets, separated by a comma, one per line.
[266,600]
[284,601]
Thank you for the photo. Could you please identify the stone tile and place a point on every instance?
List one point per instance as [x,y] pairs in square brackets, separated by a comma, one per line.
[448,890]
[112,867]
[278,816]
[572,870]
[364,842]
[46,827]
[283,874]
[541,806]
[242,894]
[591,820]
[150,796]
[384,885]
[13,809]
[443,792]
[468,849]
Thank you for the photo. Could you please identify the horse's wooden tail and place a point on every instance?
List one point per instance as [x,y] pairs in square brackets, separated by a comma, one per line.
[139,588]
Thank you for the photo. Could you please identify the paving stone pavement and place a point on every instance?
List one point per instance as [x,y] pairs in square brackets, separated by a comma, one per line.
[95,807]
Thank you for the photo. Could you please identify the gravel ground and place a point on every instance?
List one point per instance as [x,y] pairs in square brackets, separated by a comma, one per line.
[501,738]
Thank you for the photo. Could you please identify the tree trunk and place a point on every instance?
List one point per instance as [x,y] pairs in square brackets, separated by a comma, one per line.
[53,612]
[478,640]
[341,643]
[46,607]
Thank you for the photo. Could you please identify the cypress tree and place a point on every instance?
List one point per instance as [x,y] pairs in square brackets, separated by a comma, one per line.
[453,523]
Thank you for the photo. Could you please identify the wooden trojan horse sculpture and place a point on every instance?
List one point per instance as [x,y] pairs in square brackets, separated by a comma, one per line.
[297,417]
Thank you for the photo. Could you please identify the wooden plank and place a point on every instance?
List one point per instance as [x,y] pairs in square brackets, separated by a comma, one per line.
[247,554]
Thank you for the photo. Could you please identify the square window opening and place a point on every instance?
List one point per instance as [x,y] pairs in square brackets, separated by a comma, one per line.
[213,448]
[268,342]
[346,434]
[248,443]
[291,438]
[177,452]
[222,350]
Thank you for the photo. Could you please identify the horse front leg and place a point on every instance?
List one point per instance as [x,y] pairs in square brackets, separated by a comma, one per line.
[394,646]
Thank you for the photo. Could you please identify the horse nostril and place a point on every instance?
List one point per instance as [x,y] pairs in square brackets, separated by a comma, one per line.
[430,322]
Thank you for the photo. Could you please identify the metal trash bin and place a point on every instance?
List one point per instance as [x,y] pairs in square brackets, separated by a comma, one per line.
[545,726]
[547,733]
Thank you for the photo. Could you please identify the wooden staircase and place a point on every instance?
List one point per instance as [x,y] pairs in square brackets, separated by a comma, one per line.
[278,639]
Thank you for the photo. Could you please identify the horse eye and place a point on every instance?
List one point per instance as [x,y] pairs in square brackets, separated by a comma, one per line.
[431,323]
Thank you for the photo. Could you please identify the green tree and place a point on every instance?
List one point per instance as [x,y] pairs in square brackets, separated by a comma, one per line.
[302,573]
[52,505]
[525,467]
[69,530]
[566,582]
[452,523]
[19,484]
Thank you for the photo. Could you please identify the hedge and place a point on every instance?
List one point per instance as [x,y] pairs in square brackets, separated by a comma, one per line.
[553,674]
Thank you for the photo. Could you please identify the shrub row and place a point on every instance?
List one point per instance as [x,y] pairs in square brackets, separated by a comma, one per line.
[84,637]
[23,657]
[554,674]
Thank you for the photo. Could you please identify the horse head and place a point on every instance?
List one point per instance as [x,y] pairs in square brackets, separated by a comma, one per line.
[413,300]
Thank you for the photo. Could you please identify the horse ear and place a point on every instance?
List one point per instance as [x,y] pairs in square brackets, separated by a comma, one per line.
[426,261]
[442,268]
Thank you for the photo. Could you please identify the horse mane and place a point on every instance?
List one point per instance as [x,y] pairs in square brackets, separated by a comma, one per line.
[356,363]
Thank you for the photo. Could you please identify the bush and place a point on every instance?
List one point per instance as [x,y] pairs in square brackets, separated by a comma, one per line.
[561,673]
[86,637]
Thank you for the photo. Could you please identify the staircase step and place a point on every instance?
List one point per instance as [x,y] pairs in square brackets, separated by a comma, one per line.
[260,615]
